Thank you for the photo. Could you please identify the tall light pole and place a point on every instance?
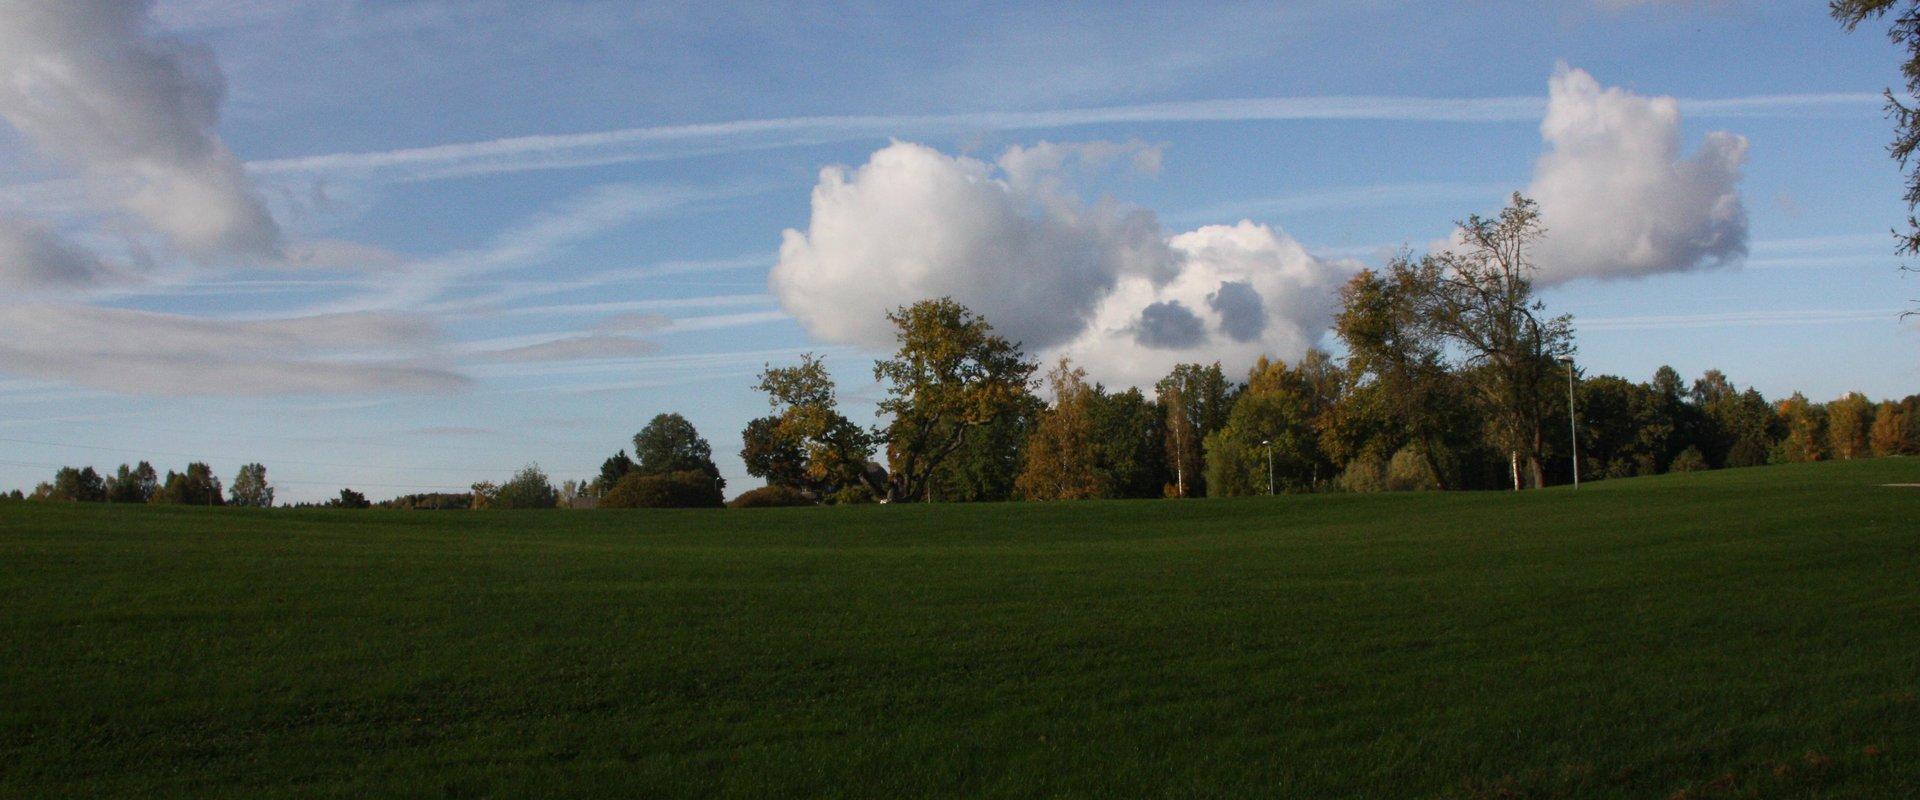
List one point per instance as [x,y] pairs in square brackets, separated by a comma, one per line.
[1573,421]
[1268,443]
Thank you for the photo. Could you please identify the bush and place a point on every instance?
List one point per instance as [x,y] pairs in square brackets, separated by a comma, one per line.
[1408,472]
[854,495]
[684,489]
[771,497]
[1747,453]
[1689,460]
[1366,473]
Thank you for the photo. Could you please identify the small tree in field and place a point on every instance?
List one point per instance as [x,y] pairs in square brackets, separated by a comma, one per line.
[250,488]
[133,484]
[484,494]
[350,499]
[528,488]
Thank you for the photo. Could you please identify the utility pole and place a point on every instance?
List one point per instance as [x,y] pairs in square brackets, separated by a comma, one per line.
[1268,443]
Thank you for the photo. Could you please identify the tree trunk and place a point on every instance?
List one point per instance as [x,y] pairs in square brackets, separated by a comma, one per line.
[1433,461]
[1534,467]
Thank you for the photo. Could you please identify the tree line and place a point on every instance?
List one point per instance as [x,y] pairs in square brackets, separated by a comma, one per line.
[197,486]
[1454,377]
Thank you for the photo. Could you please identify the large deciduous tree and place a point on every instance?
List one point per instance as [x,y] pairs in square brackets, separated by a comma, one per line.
[1905,114]
[1398,368]
[1478,294]
[805,443]
[668,444]
[951,376]
[987,465]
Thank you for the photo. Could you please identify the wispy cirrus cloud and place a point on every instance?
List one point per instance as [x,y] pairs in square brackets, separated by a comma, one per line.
[143,352]
[425,284]
[1340,197]
[595,345]
[1743,319]
[594,148]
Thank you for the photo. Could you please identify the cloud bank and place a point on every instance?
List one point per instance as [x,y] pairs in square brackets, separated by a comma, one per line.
[1617,194]
[1105,284]
[89,82]
[1101,282]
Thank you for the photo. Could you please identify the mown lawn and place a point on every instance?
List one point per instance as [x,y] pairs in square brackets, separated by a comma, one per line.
[1749,633]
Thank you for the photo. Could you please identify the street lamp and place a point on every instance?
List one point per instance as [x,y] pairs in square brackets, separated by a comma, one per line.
[1268,443]
[1573,421]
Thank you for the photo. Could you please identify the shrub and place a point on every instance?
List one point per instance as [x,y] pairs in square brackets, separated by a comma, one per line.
[1689,460]
[1408,472]
[771,497]
[1747,453]
[1366,473]
[854,495]
[684,489]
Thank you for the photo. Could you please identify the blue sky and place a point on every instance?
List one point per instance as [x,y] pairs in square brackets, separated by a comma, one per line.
[405,246]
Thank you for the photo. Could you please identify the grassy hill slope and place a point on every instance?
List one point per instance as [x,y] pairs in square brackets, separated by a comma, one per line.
[1748,633]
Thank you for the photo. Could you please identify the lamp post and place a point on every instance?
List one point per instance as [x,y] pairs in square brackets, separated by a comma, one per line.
[1573,422]
[1268,443]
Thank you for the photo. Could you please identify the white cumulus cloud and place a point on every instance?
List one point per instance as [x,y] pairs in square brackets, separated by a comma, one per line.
[1101,282]
[1618,195]
[1240,291]
[91,83]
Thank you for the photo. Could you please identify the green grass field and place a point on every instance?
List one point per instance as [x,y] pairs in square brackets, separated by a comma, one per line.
[1749,633]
